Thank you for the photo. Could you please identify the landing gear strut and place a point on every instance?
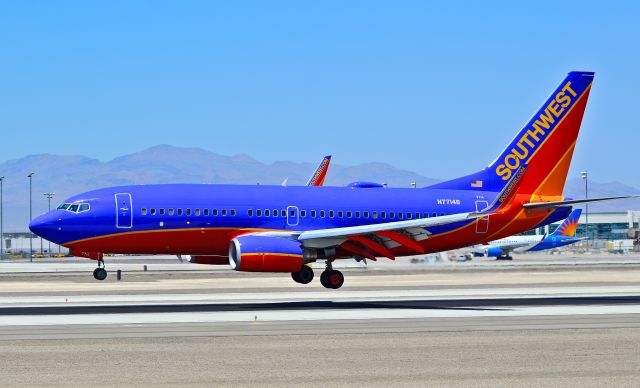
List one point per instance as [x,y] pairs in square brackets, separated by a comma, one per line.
[100,273]
[331,278]
[304,276]
[507,257]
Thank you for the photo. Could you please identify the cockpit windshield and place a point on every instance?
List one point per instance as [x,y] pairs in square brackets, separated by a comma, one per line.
[74,207]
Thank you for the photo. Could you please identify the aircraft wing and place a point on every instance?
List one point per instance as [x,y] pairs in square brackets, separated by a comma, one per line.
[551,205]
[377,238]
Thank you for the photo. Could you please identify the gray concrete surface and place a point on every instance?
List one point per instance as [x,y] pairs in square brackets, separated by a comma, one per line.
[536,324]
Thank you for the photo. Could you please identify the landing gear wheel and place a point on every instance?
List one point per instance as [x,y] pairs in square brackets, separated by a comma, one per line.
[304,276]
[332,278]
[100,273]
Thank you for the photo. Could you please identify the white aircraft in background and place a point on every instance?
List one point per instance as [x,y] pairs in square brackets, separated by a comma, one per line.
[563,235]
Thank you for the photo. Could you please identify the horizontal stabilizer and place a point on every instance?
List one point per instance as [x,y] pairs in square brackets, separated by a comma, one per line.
[551,205]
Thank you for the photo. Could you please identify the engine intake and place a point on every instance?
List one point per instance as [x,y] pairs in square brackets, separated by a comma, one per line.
[265,254]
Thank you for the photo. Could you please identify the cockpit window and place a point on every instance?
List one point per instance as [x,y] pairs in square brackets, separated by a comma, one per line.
[63,206]
[73,208]
[83,207]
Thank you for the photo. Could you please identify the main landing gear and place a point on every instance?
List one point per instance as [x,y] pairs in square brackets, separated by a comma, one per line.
[304,276]
[330,278]
[505,257]
[100,273]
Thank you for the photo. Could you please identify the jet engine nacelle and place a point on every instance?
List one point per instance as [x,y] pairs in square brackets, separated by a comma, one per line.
[265,254]
[493,252]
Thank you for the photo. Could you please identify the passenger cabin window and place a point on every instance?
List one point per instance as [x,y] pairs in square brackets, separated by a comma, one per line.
[348,214]
[409,216]
[357,214]
[224,212]
[143,211]
[275,212]
[400,216]
[434,215]
[303,213]
[152,211]
[259,213]
[206,212]
[233,212]
[189,211]
[392,215]
[383,215]
[250,213]
[339,214]
[267,213]
[332,213]
[283,213]
[197,212]
[179,212]
[366,214]
[374,215]
[313,214]
[425,215]
[161,210]
[322,213]
[417,215]
[170,211]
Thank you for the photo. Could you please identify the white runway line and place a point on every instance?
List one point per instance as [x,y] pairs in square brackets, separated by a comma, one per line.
[338,296]
[310,315]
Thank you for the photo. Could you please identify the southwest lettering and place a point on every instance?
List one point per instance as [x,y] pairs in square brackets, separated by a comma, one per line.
[544,121]
[533,137]
[553,108]
[518,154]
[516,161]
[563,100]
[567,87]
[533,134]
[525,138]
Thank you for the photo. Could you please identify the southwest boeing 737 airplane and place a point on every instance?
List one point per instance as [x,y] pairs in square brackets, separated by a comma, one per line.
[283,229]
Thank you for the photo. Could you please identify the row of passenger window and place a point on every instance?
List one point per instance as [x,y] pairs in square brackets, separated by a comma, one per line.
[188,212]
[292,213]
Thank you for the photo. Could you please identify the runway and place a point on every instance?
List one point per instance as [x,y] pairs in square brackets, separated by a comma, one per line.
[575,325]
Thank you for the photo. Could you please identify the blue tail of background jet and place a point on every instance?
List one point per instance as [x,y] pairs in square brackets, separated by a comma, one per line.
[568,227]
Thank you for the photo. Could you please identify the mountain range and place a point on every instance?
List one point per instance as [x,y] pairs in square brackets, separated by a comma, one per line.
[68,175]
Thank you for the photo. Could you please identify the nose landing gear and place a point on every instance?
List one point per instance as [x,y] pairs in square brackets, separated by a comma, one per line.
[100,273]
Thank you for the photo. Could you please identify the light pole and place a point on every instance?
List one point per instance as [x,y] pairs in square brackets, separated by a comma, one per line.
[49,196]
[1,220]
[30,176]
[585,176]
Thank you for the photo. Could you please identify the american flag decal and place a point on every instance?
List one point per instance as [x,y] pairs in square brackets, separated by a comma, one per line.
[476,183]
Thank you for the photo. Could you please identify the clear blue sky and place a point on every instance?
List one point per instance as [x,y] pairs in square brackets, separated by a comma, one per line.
[435,88]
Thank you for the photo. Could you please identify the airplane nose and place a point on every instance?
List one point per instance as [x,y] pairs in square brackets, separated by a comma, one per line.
[45,226]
